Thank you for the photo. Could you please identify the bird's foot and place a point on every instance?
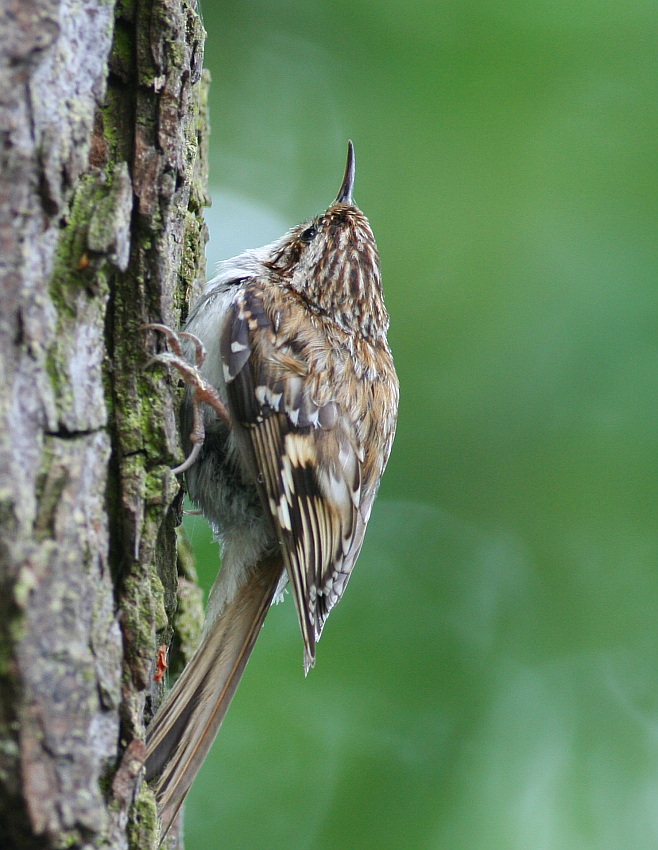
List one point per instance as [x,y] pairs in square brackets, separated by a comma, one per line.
[201,391]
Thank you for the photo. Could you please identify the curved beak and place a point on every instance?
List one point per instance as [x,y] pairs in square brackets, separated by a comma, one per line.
[347,186]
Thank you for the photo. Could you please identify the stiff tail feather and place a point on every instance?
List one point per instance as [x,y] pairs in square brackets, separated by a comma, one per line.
[185,727]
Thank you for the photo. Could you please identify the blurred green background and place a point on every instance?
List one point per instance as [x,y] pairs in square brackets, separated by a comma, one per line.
[490,679]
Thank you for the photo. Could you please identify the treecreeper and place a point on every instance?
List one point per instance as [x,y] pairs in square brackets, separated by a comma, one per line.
[288,418]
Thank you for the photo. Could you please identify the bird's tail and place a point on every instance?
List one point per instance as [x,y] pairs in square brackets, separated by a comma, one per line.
[184,728]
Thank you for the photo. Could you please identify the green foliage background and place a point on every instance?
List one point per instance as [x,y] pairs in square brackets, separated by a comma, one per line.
[490,679]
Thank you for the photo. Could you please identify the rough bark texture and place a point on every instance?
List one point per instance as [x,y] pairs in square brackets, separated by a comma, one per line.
[102,183]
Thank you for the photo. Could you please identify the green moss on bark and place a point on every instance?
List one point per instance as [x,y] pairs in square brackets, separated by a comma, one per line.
[143,827]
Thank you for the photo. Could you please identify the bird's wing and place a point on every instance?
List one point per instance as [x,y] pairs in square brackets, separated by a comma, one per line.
[302,447]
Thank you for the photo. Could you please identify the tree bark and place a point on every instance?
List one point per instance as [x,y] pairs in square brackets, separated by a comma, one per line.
[103,161]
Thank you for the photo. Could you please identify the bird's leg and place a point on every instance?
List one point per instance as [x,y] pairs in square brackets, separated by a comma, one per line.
[201,391]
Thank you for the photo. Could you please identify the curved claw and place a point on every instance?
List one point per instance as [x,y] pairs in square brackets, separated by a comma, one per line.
[199,347]
[172,337]
[190,374]
[201,391]
[162,359]
[190,460]
[174,340]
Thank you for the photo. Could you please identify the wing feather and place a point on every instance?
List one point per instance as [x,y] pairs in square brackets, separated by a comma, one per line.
[303,446]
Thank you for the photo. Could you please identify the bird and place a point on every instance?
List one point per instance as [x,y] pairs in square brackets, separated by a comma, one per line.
[289,417]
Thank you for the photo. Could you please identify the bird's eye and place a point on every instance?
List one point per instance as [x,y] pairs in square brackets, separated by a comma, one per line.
[309,234]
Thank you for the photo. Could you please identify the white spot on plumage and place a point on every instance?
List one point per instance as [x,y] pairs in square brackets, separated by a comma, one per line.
[313,418]
[334,489]
[286,477]
[299,449]
[265,396]
[284,513]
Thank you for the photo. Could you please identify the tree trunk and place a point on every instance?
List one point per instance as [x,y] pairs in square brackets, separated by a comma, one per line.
[102,183]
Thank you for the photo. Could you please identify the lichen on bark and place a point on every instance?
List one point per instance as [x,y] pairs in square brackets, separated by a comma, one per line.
[102,169]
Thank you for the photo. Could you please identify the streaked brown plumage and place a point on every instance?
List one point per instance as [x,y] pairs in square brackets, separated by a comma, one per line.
[301,405]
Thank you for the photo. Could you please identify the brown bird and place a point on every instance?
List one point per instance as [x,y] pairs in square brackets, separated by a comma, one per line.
[300,402]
